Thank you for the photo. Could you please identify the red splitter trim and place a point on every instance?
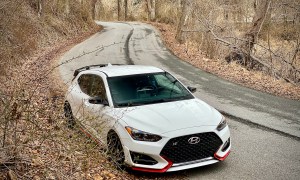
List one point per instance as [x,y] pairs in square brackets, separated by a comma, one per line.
[221,158]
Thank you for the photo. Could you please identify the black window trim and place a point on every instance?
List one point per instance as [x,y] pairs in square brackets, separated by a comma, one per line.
[93,74]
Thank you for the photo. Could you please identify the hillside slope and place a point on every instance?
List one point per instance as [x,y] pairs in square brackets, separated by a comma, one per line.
[26,28]
[34,141]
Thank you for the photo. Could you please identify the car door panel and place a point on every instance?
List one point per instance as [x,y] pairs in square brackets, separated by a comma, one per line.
[95,120]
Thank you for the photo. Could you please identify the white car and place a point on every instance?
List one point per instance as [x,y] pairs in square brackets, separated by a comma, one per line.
[146,118]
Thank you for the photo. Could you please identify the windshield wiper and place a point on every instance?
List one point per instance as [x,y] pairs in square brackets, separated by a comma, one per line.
[177,98]
[129,104]
[141,103]
[159,101]
[164,100]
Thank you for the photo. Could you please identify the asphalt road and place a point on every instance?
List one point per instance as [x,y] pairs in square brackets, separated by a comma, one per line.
[265,129]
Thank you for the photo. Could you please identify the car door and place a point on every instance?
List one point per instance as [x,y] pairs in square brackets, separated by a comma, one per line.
[95,108]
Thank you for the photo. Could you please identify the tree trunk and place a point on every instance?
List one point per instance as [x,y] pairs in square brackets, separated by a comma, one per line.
[250,37]
[126,9]
[93,3]
[151,10]
[98,9]
[119,9]
[183,18]
[257,22]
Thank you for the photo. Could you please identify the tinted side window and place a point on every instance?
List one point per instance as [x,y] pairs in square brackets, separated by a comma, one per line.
[98,88]
[84,82]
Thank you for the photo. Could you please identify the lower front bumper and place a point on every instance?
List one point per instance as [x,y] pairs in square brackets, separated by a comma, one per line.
[197,163]
[182,166]
[163,163]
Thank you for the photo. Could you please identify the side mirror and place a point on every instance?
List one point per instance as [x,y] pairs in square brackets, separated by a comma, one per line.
[98,100]
[192,89]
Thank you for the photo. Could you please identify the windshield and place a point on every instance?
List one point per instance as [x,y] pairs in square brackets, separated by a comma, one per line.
[135,90]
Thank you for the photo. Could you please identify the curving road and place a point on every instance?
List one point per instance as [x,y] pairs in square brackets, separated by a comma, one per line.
[265,129]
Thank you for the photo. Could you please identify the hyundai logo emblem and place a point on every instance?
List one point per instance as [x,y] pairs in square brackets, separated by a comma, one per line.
[194,140]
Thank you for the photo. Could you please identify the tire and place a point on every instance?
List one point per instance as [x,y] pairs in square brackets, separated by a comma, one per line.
[115,150]
[69,115]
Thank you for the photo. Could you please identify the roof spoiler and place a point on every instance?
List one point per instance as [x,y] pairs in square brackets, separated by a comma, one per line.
[77,71]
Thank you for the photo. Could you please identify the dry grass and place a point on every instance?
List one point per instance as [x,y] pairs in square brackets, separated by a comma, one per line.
[22,31]
[168,12]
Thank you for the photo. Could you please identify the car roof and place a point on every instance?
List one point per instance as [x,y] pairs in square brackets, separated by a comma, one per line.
[124,70]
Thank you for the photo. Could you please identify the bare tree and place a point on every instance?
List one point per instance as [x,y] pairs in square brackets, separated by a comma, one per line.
[151,6]
[125,9]
[184,16]
[119,9]
[93,3]
[250,37]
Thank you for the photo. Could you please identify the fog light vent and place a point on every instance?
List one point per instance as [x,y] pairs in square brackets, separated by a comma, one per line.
[226,145]
[138,158]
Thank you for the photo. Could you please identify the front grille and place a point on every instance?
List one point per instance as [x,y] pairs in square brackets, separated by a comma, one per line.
[179,150]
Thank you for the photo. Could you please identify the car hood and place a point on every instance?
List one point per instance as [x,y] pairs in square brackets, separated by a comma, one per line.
[170,116]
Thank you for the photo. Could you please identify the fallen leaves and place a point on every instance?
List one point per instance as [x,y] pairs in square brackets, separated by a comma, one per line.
[36,177]
[98,177]
[37,162]
[11,175]
[45,147]
[108,174]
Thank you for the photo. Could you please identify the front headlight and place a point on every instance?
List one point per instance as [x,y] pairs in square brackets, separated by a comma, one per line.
[141,135]
[222,124]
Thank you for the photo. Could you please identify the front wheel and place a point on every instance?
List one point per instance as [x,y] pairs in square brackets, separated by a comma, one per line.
[69,115]
[115,150]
